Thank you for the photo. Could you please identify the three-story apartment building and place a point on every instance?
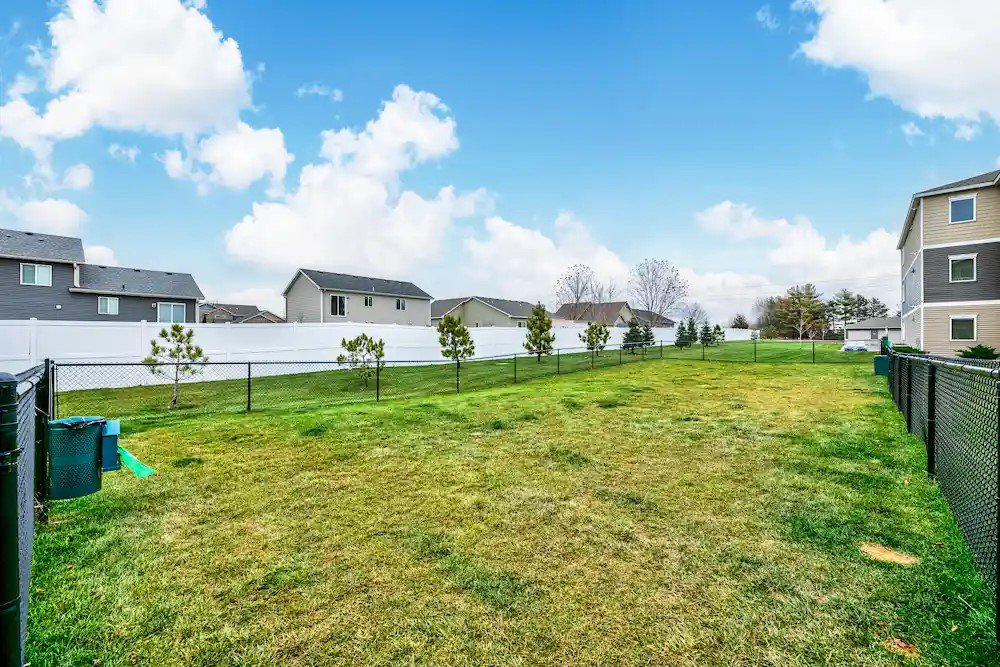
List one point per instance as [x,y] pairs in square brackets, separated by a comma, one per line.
[950,263]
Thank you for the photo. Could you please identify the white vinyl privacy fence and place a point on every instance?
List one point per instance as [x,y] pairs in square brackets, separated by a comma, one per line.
[25,343]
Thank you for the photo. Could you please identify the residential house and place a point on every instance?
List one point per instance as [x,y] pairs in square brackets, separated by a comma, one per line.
[46,277]
[234,313]
[872,330]
[653,319]
[950,265]
[322,296]
[613,313]
[482,311]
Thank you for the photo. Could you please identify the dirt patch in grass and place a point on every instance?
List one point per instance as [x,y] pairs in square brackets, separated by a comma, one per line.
[885,554]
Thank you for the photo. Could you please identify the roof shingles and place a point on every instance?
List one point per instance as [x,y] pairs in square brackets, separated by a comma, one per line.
[32,245]
[121,280]
[345,282]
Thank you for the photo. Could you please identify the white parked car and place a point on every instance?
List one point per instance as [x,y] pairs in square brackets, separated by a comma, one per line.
[855,346]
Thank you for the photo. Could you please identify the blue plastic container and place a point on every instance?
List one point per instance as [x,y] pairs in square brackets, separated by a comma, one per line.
[109,446]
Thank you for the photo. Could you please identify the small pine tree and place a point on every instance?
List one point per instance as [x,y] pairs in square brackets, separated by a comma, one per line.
[718,335]
[648,337]
[595,336]
[705,336]
[740,321]
[364,355]
[634,337]
[456,343]
[754,334]
[540,337]
[685,337]
[176,358]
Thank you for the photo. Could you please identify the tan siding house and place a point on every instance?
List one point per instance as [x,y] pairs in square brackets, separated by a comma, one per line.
[950,266]
[323,296]
[481,311]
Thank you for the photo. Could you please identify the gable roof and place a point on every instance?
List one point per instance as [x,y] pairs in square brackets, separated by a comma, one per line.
[986,179]
[345,282]
[265,315]
[515,309]
[591,312]
[876,323]
[234,309]
[653,318]
[32,245]
[139,282]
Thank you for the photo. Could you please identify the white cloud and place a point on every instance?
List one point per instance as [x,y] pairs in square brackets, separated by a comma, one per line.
[78,177]
[911,131]
[155,66]
[525,263]
[49,216]
[725,293]
[236,157]
[801,253]
[933,58]
[766,19]
[967,131]
[119,152]
[100,254]
[23,85]
[348,213]
[319,90]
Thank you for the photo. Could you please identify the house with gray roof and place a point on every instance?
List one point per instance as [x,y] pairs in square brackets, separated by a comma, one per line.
[324,296]
[483,311]
[871,331]
[46,277]
[236,313]
[612,313]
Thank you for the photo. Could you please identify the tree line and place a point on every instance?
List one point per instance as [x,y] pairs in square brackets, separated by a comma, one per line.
[802,312]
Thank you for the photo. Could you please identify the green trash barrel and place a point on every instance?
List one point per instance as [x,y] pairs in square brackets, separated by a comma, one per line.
[74,457]
[882,365]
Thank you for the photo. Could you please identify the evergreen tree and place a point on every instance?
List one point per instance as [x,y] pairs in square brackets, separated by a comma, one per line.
[706,335]
[364,355]
[718,335]
[740,322]
[540,337]
[800,308]
[175,358]
[595,336]
[648,337]
[633,337]
[692,331]
[456,343]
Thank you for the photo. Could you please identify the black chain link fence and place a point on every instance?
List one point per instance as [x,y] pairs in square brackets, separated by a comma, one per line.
[953,406]
[24,412]
[133,391]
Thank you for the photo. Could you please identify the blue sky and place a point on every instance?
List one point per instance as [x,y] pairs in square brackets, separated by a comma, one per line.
[702,133]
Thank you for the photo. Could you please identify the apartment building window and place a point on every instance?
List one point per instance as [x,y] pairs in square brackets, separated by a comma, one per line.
[369,301]
[963,327]
[38,275]
[338,305]
[962,268]
[962,209]
[107,305]
[170,312]
[400,304]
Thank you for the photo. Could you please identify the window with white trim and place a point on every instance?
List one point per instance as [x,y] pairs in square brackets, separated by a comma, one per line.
[338,305]
[369,301]
[962,268]
[400,304]
[962,209]
[107,305]
[963,327]
[37,275]
[170,312]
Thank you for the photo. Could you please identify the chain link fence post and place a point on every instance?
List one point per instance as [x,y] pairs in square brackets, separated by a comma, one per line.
[458,373]
[931,420]
[249,404]
[378,380]
[43,411]
[10,569]
[814,351]
[909,395]
[557,361]
[515,368]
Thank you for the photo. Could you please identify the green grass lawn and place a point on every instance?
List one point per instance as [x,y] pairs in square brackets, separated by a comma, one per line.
[223,388]
[664,513]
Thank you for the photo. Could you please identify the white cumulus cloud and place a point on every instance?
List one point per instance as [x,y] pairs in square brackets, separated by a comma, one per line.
[766,18]
[156,66]
[78,177]
[911,131]
[933,58]
[236,158]
[50,216]
[100,254]
[127,153]
[348,213]
[319,90]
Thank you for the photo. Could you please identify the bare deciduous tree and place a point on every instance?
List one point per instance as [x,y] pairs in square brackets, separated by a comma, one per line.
[656,286]
[603,292]
[576,286]
[692,310]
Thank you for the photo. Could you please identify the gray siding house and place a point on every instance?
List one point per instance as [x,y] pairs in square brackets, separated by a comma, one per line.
[45,277]
[482,311]
[322,296]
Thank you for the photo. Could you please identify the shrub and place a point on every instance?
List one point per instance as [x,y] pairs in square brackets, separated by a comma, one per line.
[769,331]
[175,358]
[595,336]
[364,355]
[979,352]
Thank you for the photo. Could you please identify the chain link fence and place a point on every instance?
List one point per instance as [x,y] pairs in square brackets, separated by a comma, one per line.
[953,406]
[25,406]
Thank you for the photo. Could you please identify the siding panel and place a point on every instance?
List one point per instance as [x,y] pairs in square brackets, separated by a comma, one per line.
[937,331]
[986,286]
[986,226]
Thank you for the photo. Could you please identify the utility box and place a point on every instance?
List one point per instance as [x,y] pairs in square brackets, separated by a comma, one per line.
[882,365]
[109,446]
[74,446]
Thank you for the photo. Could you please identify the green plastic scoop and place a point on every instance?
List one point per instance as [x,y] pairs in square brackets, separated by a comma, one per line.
[138,468]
